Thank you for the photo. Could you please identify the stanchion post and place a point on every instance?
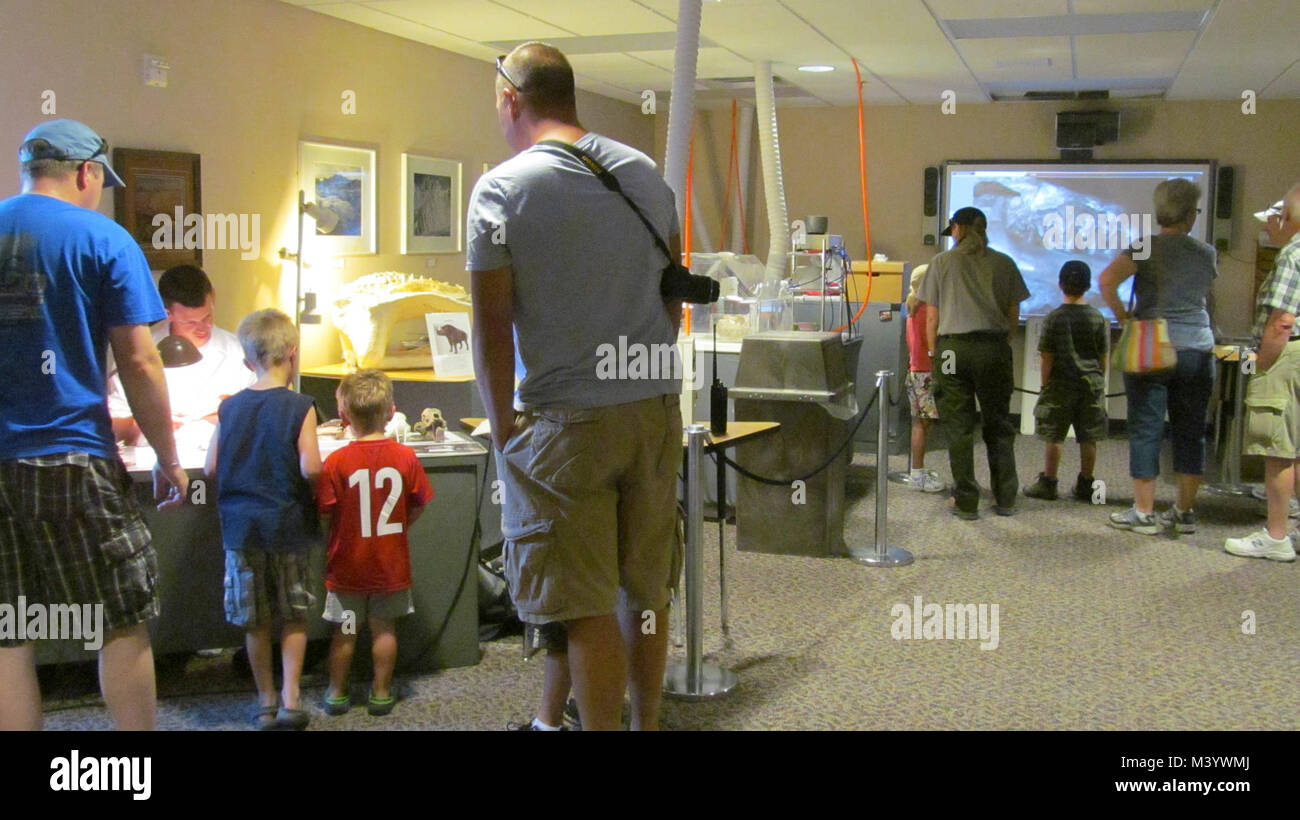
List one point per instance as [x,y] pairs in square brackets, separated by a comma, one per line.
[884,555]
[1236,433]
[695,679]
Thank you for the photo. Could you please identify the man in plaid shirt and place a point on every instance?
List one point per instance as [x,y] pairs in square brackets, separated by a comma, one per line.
[1273,393]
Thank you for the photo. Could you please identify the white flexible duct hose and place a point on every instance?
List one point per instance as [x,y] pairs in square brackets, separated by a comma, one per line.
[700,240]
[744,132]
[681,108]
[774,189]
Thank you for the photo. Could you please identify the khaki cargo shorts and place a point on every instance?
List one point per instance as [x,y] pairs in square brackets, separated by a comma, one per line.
[1273,408]
[589,509]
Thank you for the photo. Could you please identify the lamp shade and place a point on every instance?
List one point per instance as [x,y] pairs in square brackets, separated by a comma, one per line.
[326,219]
[177,351]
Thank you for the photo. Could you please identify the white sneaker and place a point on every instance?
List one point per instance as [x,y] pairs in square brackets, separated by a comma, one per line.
[926,481]
[1261,545]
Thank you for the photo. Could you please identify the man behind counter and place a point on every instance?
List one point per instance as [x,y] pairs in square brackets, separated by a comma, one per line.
[195,389]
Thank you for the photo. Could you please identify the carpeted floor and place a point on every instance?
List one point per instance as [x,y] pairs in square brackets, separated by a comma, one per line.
[1097,629]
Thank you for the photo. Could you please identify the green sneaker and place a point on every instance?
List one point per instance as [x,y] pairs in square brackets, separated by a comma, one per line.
[1044,488]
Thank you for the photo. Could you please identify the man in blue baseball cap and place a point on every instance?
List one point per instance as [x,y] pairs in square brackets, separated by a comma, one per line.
[68,141]
[72,282]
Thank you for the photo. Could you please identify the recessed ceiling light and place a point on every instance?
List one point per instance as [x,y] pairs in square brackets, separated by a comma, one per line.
[817,68]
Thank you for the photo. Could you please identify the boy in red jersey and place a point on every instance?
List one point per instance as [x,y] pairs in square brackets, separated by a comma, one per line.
[373,490]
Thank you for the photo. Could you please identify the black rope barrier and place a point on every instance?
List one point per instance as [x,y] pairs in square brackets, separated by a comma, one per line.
[1039,393]
[828,462]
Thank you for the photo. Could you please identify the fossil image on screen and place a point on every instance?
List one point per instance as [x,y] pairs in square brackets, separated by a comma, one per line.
[432,215]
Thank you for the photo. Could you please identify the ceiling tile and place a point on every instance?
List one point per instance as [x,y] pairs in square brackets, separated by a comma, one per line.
[902,45]
[1139,6]
[897,44]
[711,62]
[371,18]
[1286,86]
[1247,45]
[592,17]
[1019,58]
[765,31]
[471,19]
[1076,25]
[622,70]
[966,9]
[1132,55]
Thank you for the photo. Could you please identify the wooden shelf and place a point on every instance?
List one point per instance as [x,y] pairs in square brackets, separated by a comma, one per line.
[426,374]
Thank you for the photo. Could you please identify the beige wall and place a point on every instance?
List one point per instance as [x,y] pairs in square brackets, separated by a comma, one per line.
[248,79]
[819,150]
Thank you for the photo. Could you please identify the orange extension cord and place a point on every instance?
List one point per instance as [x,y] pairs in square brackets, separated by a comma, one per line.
[866,223]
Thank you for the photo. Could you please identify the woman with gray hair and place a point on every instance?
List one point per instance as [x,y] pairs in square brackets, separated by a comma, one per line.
[1174,274]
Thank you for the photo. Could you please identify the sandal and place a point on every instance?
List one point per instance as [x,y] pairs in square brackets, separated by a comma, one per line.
[337,706]
[264,718]
[378,707]
[292,719]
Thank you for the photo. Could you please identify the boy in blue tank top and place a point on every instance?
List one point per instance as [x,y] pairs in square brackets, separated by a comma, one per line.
[265,459]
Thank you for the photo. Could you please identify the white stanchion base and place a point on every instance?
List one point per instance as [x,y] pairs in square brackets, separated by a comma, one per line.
[892,557]
[714,682]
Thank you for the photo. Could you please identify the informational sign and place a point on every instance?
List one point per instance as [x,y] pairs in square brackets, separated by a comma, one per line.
[449,339]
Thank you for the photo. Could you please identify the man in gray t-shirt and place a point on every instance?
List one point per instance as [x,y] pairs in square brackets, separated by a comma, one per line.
[565,274]
[974,295]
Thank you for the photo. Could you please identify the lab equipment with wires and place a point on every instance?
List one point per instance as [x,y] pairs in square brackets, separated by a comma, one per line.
[745,288]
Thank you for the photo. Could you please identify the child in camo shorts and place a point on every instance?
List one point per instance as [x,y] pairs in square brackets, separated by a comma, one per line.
[1073,348]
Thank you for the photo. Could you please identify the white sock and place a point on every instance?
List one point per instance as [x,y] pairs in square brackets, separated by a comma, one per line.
[544,727]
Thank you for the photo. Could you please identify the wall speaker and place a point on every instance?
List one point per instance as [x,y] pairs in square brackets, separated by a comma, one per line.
[1223,189]
[930,206]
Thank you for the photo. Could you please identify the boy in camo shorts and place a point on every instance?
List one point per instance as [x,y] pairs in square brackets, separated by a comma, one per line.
[1073,348]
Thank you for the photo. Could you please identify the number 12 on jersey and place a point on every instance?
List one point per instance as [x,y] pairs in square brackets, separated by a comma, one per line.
[385,475]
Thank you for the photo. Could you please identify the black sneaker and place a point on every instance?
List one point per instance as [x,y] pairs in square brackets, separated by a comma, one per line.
[1044,488]
[572,719]
[1083,488]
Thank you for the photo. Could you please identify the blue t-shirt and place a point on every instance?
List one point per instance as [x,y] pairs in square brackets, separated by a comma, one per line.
[264,501]
[591,329]
[67,275]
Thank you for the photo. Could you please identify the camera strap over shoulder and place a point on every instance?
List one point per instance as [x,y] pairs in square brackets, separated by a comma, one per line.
[611,182]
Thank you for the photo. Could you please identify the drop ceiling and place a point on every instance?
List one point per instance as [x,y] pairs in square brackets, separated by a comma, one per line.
[910,51]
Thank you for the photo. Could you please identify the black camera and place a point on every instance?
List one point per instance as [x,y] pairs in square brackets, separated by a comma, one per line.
[678,282]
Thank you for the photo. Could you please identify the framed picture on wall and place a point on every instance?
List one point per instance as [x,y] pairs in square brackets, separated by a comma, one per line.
[340,179]
[431,210]
[161,204]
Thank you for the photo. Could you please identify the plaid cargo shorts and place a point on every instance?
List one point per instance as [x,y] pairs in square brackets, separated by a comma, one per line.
[72,532]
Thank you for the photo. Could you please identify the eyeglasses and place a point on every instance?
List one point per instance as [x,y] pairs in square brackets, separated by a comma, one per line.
[501,69]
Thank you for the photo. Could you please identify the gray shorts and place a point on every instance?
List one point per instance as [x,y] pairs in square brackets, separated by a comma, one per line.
[341,607]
